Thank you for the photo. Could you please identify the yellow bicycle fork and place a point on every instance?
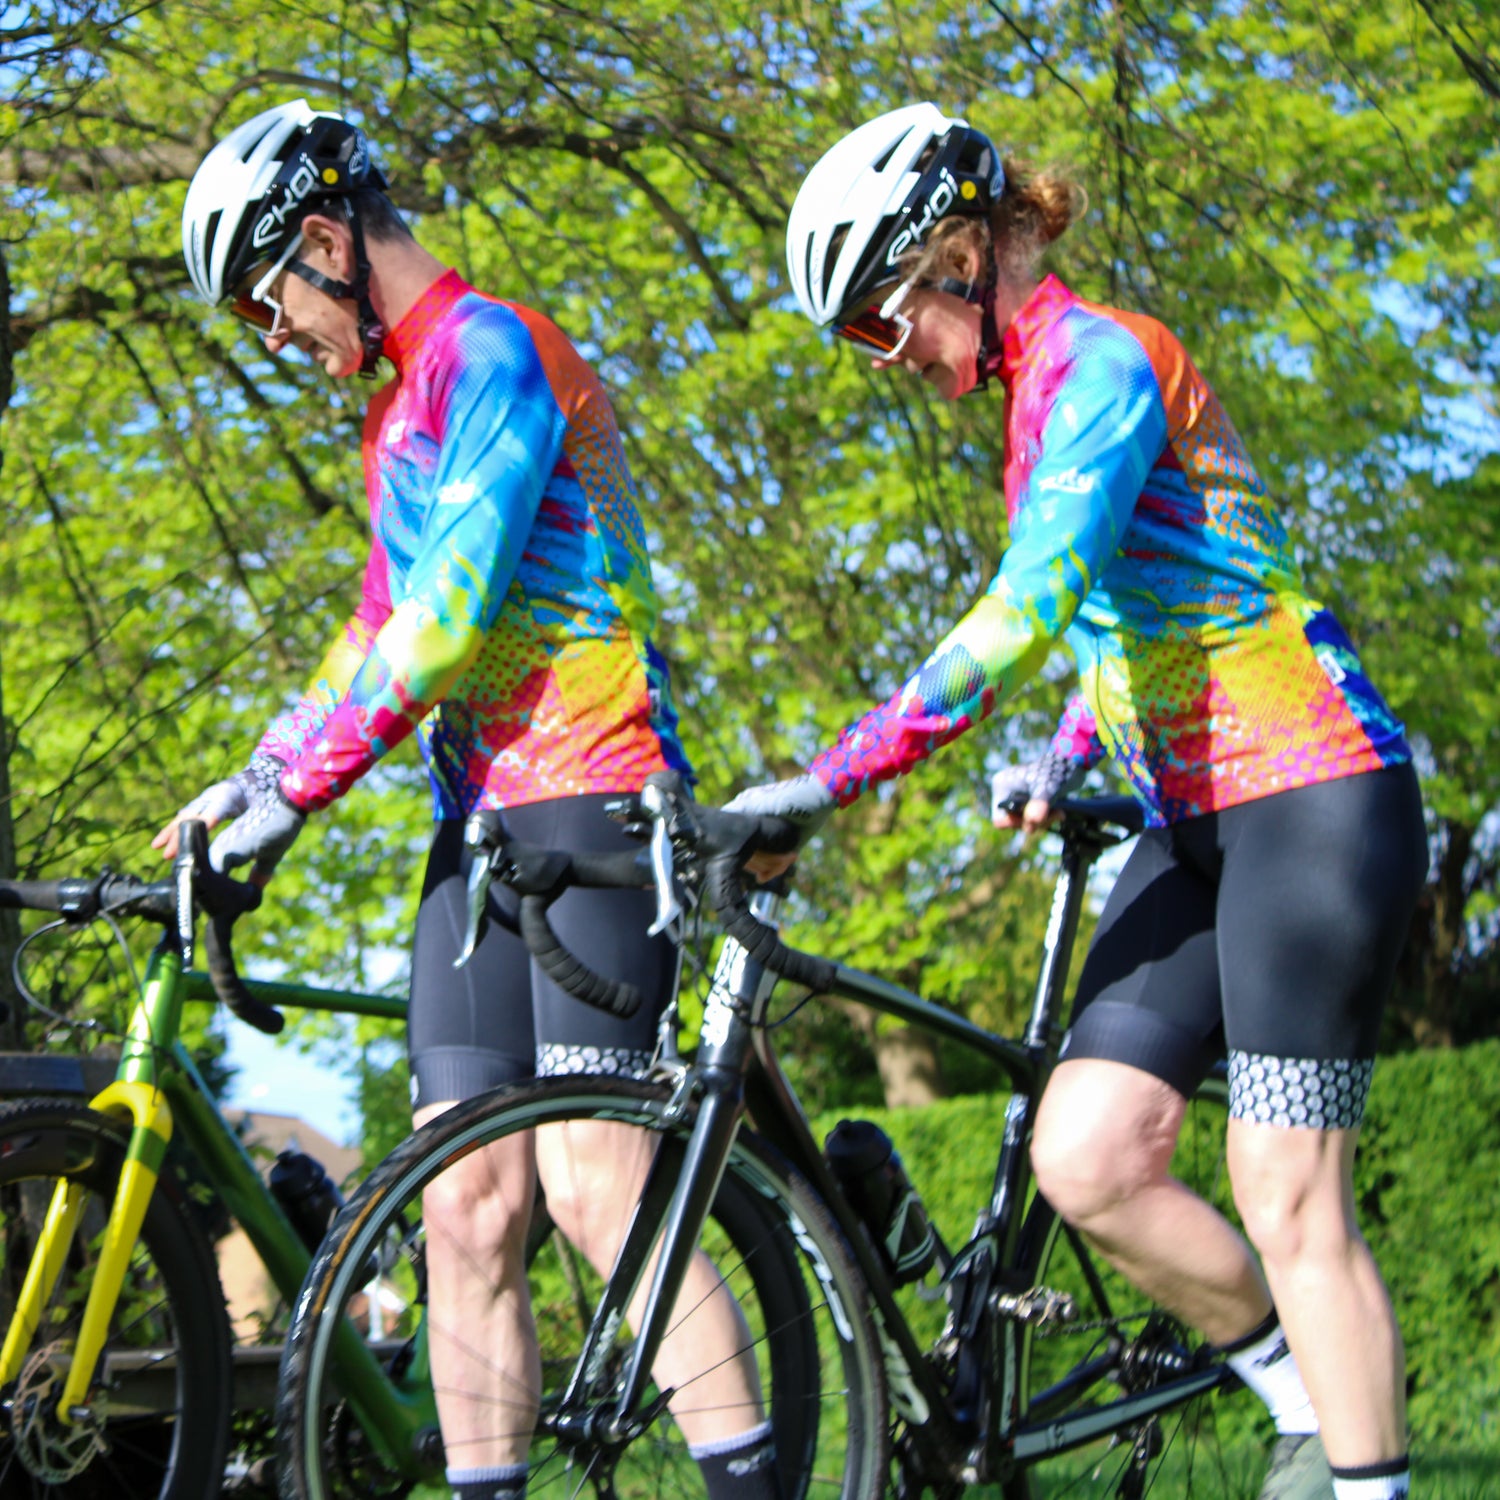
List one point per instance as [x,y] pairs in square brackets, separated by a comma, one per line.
[147,1109]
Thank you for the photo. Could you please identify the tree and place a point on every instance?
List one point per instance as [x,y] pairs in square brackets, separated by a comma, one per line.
[1301,190]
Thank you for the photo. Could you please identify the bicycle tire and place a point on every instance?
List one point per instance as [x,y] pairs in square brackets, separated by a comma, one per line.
[770,1237]
[1203,1447]
[163,1383]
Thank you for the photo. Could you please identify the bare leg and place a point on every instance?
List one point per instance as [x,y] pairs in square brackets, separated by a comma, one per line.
[594,1174]
[1294,1189]
[486,1366]
[1101,1150]
[485,1370]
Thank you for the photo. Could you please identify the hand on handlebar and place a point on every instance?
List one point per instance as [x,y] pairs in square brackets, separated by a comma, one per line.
[802,800]
[263,824]
[1041,782]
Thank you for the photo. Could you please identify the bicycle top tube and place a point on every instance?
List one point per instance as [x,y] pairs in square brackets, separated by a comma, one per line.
[325,999]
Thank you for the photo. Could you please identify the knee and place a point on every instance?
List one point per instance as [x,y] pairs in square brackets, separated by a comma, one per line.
[592,1210]
[1104,1134]
[468,1208]
[1275,1217]
[1294,1205]
[1087,1177]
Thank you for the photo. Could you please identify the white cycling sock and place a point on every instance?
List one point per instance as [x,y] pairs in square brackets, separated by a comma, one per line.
[498,1482]
[1264,1362]
[1388,1481]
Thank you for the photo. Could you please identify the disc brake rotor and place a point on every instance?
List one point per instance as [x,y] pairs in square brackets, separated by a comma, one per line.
[53,1451]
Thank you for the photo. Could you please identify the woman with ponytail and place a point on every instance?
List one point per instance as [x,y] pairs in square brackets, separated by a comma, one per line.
[1264,908]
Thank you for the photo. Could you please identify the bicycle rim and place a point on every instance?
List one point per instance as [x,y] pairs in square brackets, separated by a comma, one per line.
[1211,1445]
[804,1332]
[157,1413]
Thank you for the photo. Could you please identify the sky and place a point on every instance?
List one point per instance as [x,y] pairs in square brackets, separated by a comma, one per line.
[284,1081]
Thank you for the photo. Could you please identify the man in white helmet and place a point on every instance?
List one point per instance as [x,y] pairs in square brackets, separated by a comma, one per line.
[506,619]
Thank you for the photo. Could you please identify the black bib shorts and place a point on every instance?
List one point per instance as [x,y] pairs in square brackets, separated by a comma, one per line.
[499,1018]
[1271,928]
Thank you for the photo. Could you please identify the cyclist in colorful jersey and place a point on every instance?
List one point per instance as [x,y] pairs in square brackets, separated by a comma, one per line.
[1266,904]
[506,619]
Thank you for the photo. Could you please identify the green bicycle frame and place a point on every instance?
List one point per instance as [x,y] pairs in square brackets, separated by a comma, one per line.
[158,1089]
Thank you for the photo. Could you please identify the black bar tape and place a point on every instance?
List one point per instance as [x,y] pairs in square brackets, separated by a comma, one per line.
[1123,812]
[726,891]
[228,985]
[221,895]
[536,872]
[619,869]
[740,834]
[76,897]
[616,996]
[223,899]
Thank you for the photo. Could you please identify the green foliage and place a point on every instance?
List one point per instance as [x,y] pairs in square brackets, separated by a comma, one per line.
[1429,1153]
[384,1096]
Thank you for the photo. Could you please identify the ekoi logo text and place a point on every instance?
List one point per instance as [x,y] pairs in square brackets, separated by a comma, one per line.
[1069,482]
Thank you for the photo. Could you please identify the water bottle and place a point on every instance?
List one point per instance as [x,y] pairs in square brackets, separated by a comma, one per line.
[873,1179]
[307,1195]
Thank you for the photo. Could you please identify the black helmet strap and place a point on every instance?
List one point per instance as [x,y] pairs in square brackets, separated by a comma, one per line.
[988,362]
[982,296]
[371,329]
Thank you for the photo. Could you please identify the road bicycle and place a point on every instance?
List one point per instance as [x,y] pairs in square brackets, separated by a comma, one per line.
[118,1375]
[1040,1352]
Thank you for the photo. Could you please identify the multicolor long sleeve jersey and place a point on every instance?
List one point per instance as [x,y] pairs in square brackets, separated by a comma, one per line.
[1139,530]
[507,606]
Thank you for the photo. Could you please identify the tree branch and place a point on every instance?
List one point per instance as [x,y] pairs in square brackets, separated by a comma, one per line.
[1477,64]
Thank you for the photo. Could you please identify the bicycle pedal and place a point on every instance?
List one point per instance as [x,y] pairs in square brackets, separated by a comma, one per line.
[1037,1305]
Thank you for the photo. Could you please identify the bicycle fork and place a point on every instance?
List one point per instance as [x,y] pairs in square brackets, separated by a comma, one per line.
[133,1096]
[682,1184]
[145,1106]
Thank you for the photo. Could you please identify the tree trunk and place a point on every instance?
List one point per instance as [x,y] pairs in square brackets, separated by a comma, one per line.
[10,926]
[1430,966]
[908,1063]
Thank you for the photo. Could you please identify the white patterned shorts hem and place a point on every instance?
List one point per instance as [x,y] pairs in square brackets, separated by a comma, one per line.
[1298,1092]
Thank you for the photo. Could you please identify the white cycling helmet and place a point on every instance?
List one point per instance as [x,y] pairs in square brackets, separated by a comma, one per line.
[875,196]
[252,190]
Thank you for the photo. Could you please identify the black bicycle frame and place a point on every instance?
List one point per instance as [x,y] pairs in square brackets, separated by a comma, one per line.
[737,1071]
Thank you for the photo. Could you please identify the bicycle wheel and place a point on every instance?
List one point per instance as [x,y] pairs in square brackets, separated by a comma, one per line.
[770,1241]
[158,1410]
[1209,1445]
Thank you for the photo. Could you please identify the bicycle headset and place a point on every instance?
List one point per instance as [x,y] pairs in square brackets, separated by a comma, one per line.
[250,194]
[876,196]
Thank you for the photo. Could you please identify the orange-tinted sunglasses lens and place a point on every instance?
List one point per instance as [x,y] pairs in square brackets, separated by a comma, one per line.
[873,331]
[256,314]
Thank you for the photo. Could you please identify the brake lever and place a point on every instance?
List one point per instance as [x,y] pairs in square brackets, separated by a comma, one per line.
[669,912]
[482,838]
[192,845]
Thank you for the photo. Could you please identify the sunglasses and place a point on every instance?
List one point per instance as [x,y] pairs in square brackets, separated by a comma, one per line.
[257,307]
[883,329]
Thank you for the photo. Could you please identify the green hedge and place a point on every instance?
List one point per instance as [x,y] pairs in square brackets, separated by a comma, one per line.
[1428,1189]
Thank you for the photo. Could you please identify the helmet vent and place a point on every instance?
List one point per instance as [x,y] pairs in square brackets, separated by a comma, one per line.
[211,229]
[831,256]
[271,123]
